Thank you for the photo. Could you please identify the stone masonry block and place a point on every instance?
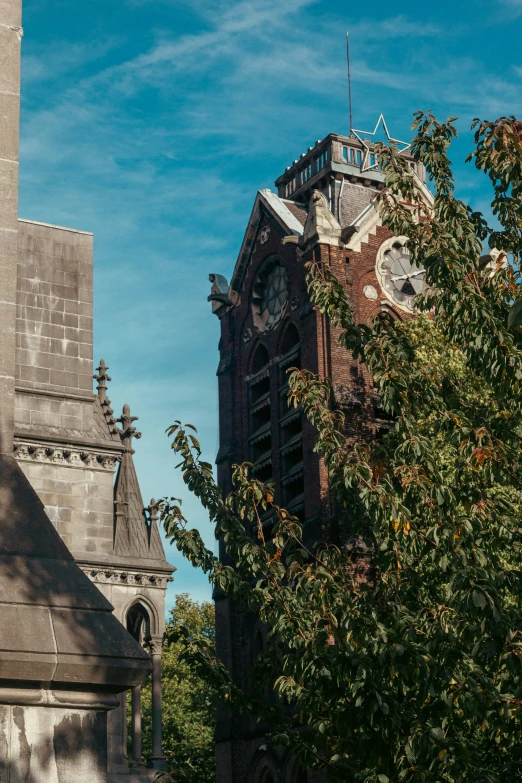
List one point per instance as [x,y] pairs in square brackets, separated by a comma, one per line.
[9,63]
[11,12]
[9,124]
[36,374]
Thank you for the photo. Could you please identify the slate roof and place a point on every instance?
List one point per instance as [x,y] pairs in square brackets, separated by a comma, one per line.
[102,430]
[55,625]
[354,200]
[136,538]
[298,210]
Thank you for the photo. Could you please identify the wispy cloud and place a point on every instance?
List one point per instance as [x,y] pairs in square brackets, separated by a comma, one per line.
[64,57]
[156,128]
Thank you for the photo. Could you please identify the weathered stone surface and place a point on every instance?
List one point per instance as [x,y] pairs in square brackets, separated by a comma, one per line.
[55,626]
[54,309]
[8,128]
[52,745]
[11,12]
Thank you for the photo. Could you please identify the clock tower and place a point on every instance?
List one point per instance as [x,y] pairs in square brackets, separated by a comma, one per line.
[325,209]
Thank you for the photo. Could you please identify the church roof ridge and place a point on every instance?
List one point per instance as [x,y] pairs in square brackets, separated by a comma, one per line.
[52,225]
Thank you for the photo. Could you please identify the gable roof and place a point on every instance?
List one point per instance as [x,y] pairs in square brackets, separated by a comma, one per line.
[356,208]
[279,208]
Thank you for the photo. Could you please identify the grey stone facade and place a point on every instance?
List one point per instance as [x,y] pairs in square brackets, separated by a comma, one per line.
[78,456]
[83,573]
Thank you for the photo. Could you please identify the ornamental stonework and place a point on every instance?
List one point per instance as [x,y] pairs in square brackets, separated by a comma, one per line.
[74,458]
[104,576]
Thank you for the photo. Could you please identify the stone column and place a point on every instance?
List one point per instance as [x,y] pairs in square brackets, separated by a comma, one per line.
[137,760]
[157,758]
[10,39]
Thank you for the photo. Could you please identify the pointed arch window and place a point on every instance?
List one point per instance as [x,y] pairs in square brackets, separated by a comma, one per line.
[291,427]
[260,414]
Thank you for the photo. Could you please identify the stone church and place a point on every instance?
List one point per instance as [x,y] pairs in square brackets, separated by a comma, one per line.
[83,573]
[324,209]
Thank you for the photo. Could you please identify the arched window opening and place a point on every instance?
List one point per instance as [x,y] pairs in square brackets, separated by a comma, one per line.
[290,338]
[260,359]
[138,623]
[139,626]
[260,382]
[266,776]
[260,415]
[291,427]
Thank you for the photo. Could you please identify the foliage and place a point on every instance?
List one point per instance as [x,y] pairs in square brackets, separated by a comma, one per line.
[400,653]
[189,704]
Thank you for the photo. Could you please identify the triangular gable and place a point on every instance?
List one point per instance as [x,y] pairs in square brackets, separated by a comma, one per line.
[266,201]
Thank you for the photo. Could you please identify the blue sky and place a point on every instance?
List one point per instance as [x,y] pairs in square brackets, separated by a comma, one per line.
[154,122]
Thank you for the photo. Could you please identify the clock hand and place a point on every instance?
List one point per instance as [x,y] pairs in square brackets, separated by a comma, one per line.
[407,277]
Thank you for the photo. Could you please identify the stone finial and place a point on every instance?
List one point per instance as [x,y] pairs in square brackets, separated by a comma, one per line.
[102,377]
[320,228]
[127,432]
[153,512]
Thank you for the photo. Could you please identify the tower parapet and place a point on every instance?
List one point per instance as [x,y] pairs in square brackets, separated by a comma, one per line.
[329,162]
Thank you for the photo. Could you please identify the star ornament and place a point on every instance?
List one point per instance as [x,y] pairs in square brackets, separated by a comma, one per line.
[366,164]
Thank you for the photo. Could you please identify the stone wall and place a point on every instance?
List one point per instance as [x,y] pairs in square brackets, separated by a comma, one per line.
[62,413]
[54,309]
[78,498]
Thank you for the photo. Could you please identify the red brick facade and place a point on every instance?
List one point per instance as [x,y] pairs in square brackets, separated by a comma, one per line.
[256,424]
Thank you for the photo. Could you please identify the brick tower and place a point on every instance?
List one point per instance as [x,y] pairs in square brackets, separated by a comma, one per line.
[325,208]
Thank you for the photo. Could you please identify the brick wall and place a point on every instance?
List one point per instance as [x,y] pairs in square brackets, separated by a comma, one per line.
[239,739]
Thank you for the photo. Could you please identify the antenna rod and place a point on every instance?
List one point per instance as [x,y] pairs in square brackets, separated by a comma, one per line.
[349,82]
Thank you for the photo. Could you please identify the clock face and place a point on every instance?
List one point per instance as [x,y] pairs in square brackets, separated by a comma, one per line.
[400,278]
[270,295]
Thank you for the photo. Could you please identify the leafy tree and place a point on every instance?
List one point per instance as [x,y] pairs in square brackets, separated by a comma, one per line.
[397,656]
[189,704]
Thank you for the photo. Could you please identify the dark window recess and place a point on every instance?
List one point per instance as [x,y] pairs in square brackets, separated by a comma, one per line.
[259,386]
[291,425]
[263,470]
[293,456]
[260,359]
[291,358]
[290,339]
[293,486]
[260,445]
[260,415]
